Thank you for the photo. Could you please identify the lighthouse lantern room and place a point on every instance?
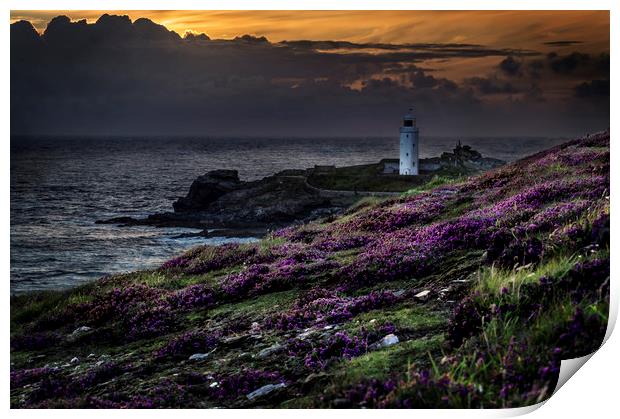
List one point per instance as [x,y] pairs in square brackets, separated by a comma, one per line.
[409,145]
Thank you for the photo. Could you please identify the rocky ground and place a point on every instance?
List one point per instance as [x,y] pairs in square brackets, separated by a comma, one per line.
[464,294]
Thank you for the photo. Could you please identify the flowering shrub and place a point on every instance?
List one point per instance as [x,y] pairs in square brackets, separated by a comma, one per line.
[336,243]
[194,296]
[336,347]
[408,253]
[28,376]
[583,334]
[283,274]
[367,394]
[416,210]
[322,307]
[34,341]
[239,285]
[205,259]
[140,310]
[296,235]
[52,385]
[557,215]
[189,343]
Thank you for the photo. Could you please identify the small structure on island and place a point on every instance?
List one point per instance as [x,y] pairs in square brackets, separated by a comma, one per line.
[409,161]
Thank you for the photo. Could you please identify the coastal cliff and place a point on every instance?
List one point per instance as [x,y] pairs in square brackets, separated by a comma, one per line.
[466,293]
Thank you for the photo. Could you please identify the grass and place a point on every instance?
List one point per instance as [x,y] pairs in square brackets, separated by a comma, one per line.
[492,280]
[370,177]
[366,202]
[388,361]
[434,182]
[256,307]
[367,177]
[26,308]
[413,318]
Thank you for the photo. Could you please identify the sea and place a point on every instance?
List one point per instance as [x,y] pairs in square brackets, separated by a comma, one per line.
[61,185]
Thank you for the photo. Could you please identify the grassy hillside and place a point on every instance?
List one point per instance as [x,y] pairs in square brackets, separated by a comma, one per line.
[465,295]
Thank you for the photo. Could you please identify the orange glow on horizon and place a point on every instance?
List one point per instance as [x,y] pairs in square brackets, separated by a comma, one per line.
[507,29]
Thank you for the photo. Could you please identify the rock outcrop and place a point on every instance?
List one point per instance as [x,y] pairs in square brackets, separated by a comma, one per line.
[219,200]
[468,158]
[207,188]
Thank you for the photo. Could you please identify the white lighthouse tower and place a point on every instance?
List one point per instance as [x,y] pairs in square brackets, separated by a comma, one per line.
[409,145]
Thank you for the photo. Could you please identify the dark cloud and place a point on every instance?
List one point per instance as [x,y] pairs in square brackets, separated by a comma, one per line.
[510,66]
[562,43]
[190,36]
[594,88]
[24,35]
[578,63]
[399,52]
[491,85]
[116,76]
[535,68]
[422,81]
[252,39]
[569,63]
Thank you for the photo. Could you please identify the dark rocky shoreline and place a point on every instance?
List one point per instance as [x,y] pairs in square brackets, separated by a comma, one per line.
[222,205]
[219,201]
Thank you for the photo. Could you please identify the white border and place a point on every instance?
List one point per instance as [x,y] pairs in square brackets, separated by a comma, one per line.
[591,392]
[310,5]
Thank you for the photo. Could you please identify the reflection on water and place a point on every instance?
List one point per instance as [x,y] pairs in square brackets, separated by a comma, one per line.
[60,186]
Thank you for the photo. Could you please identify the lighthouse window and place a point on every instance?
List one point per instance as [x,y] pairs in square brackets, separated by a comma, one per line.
[408,123]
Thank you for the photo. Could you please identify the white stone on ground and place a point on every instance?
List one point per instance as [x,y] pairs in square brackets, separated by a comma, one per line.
[270,350]
[389,340]
[264,390]
[422,294]
[81,329]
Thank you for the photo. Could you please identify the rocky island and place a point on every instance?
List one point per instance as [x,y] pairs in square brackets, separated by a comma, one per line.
[464,294]
[220,200]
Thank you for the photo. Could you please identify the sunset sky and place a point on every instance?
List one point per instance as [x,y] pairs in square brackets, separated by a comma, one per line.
[479,73]
[515,29]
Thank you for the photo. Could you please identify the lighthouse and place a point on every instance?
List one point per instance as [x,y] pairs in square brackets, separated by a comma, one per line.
[409,145]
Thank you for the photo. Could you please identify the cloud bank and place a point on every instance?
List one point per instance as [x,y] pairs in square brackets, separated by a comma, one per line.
[118,77]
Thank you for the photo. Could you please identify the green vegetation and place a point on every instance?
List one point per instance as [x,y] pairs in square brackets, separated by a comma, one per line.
[370,178]
[434,182]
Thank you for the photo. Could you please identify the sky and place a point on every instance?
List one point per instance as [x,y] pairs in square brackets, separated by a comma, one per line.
[309,73]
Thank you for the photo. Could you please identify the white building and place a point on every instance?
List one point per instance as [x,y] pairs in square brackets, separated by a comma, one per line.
[409,161]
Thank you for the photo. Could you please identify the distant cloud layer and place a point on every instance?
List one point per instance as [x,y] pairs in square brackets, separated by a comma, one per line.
[118,77]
